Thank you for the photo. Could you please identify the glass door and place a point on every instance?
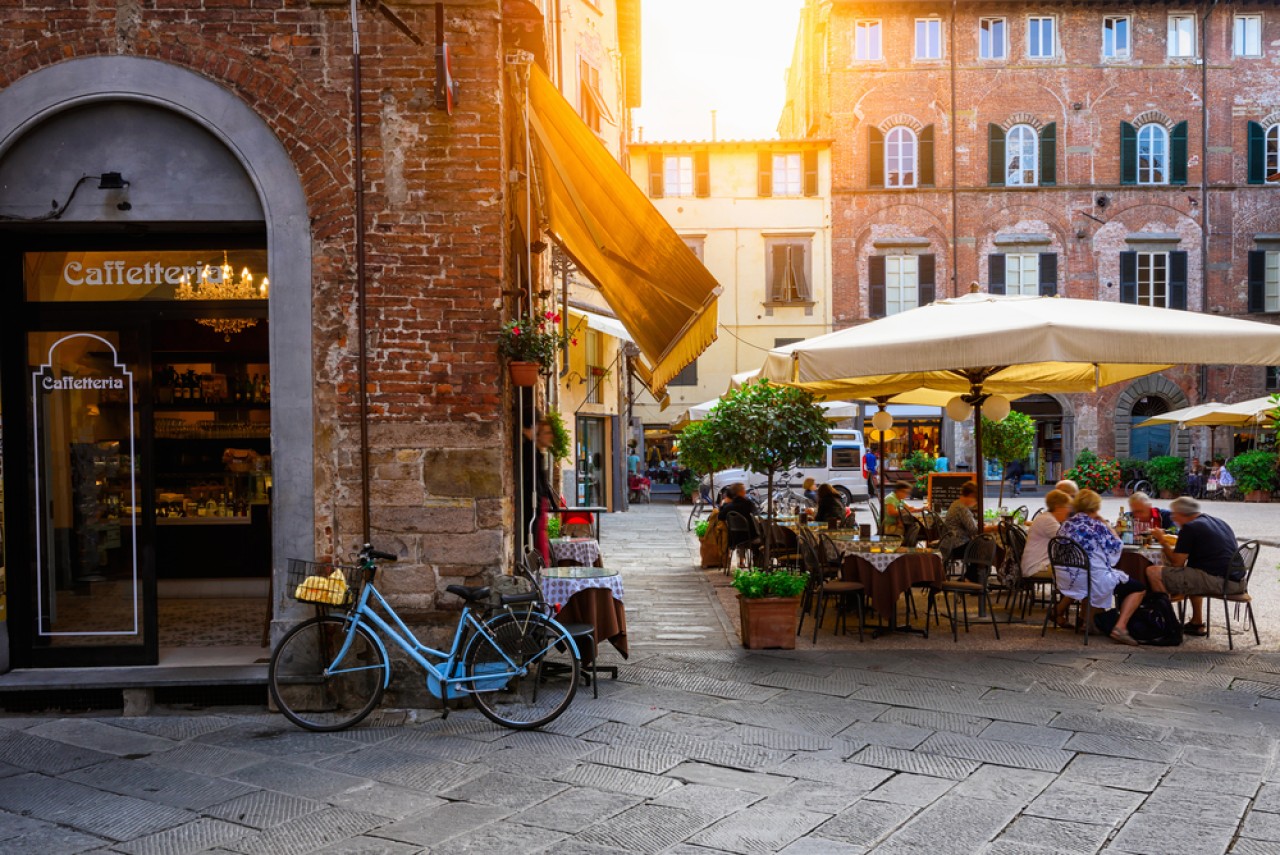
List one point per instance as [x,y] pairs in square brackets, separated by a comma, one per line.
[92,600]
[591,462]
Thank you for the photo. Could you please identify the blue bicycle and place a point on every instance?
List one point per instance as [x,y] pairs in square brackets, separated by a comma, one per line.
[519,666]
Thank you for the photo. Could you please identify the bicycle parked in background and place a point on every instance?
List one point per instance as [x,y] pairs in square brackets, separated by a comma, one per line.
[520,667]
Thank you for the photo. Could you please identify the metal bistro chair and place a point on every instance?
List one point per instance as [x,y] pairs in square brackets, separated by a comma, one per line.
[1246,557]
[820,590]
[746,532]
[584,634]
[785,546]
[980,552]
[1021,587]
[1066,554]
[932,525]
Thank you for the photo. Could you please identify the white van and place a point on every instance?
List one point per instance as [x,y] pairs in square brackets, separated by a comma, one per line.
[840,466]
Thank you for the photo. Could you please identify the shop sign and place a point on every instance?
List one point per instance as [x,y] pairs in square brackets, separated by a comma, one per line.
[73,277]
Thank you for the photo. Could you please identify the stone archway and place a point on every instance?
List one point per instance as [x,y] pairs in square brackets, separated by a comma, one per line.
[1136,401]
[78,83]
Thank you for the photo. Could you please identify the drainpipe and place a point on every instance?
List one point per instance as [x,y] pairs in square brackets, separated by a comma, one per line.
[1203,379]
[955,225]
[362,345]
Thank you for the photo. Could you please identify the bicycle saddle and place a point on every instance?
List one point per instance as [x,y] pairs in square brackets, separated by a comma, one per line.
[469,593]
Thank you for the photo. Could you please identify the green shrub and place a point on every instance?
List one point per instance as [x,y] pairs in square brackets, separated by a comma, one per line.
[1167,474]
[755,583]
[1091,472]
[700,528]
[1254,470]
[1131,469]
[553,525]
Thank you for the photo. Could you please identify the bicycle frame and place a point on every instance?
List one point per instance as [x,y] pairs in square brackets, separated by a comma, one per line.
[364,614]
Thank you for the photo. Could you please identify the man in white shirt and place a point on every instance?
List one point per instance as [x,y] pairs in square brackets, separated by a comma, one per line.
[1035,555]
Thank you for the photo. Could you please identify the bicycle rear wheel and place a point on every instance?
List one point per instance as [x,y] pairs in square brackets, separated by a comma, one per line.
[315,693]
[527,641]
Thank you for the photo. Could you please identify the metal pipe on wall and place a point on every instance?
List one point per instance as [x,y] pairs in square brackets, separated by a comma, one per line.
[362,344]
[955,204]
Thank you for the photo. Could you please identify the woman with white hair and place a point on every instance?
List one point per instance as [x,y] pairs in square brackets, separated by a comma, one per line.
[1102,548]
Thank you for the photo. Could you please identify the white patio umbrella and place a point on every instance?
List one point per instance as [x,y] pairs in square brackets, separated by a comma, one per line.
[1208,413]
[834,410]
[985,348]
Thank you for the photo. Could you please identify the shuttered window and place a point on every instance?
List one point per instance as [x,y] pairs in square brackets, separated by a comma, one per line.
[901,284]
[788,175]
[1264,281]
[1020,157]
[900,158]
[677,175]
[788,272]
[1153,155]
[1157,279]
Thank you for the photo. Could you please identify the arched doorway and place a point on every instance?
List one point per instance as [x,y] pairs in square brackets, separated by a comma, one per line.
[1147,397]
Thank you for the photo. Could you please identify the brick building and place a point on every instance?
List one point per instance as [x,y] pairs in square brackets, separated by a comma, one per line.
[1074,148]
[177,430]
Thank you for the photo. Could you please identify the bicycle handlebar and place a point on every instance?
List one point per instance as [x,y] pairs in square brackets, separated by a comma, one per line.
[369,552]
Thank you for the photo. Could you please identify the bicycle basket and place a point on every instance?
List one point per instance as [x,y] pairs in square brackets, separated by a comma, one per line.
[322,583]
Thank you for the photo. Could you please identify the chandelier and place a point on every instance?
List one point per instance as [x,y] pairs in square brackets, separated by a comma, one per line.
[220,283]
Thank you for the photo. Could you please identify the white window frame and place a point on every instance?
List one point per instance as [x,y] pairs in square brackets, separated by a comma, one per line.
[1242,50]
[1016,178]
[936,25]
[1158,134]
[1002,47]
[899,144]
[870,25]
[1271,291]
[1149,263]
[901,283]
[788,174]
[1022,273]
[1271,161]
[674,185]
[1053,36]
[1116,52]
[1173,38]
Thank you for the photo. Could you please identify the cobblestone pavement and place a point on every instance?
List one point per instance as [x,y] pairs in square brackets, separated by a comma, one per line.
[700,747]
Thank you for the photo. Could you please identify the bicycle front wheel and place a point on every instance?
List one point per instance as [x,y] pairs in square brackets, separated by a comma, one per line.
[317,693]
[527,643]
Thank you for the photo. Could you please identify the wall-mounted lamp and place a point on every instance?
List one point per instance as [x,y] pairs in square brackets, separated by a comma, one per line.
[1077,105]
[1102,201]
[115,181]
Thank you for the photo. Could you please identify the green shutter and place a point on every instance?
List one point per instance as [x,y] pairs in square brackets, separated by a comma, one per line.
[1128,154]
[1257,154]
[996,272]
[995,155]
[875,158]
[1257,281]
[926,157]
[1178,154]
[1049,155]
[1178,280]
[1128,277]
[926,279]
[875,286]
[1048,274]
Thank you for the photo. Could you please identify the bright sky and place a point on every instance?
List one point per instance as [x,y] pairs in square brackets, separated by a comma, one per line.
[730,56]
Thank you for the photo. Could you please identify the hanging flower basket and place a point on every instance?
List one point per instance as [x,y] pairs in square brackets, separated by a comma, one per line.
[524,373]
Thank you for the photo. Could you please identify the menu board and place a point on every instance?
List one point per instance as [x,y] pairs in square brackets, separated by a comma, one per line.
[944,488]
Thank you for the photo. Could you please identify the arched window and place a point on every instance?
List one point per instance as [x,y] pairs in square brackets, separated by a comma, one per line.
[1021,163]
[1273,154]
[1148,442]
[900,158]
[1153,155]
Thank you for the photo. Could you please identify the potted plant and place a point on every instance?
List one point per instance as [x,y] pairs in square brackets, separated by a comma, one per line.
[1092,472]
[530,345]
[700,528]
[1168,475]
[920,464]
[769,605]
[1255,474]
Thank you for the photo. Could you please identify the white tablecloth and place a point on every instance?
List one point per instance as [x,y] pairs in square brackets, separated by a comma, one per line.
[584,550]
[558,591]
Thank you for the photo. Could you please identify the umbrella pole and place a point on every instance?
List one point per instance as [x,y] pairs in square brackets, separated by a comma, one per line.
[880,468]
[977,453]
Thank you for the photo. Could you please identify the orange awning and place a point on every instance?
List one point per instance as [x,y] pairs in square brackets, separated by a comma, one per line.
[600,218]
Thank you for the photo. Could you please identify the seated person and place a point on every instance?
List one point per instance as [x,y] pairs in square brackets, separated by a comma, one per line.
[1102,548]
[1035,555]
[1068,486]
[830,508]
[894,504]
[738,501]
[1203,562]
[810,489]
[962,526]
[1195,478]
[1225,478]
[1145,516]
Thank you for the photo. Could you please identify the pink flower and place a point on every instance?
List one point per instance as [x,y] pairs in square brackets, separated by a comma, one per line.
[573,341]
[515,331]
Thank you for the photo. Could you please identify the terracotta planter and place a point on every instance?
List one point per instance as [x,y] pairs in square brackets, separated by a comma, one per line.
[1119,493]
[1258,496]
[524,373]
[769,622]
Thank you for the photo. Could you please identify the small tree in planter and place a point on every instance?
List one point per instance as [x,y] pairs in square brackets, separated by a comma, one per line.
[1255,474]
[768,428]
[1007,441]
[1168,475]
[1092,472]
[701,453]
[919,464]
[769,603]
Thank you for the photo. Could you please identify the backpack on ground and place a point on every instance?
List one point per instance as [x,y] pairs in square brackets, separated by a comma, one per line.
[1155,622]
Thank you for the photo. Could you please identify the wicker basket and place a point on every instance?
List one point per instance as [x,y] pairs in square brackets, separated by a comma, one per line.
[322,583]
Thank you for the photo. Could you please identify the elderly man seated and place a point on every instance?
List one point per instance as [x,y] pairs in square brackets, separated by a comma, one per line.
[1145,515]
[1203,562]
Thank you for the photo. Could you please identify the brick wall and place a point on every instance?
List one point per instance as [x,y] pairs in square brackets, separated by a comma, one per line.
[1087,99]
[436,251]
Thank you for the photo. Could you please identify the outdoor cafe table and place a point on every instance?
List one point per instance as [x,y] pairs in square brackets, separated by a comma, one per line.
[887,575]
[591,595]
[1134,559]
[576,550]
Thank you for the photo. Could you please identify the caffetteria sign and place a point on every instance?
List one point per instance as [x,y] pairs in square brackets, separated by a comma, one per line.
[73,277]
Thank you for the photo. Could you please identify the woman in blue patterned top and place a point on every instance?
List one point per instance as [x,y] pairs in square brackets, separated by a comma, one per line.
[1086,527]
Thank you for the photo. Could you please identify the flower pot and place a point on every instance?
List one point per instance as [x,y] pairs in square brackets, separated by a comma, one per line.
[1168,494]
[769,622]
[1258,496]
[524,373]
